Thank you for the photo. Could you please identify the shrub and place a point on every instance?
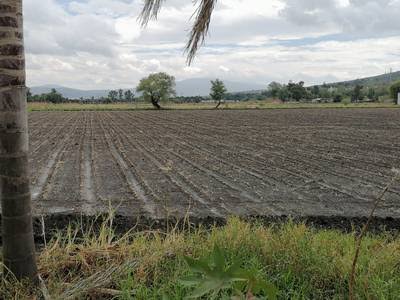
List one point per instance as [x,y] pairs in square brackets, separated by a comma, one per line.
[394,90]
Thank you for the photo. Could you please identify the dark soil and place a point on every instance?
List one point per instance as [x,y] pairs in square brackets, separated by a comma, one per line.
[324,166]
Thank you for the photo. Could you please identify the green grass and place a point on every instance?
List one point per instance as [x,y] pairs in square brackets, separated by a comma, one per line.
[199,106]
[303,263]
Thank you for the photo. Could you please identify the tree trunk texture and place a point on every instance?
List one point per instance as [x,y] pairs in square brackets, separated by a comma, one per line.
[219,103]
[17,234]
[155,102]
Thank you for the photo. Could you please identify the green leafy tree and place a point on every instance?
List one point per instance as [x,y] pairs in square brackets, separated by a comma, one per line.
[371,94]
[274,88]
[283,93]
[129,95]
[315,91]
[218,91]
[157,87]
[297,90]
[324,92]
[120,94]
[112,96]
[357,94]
[54,97]
[394,91]
[18,248]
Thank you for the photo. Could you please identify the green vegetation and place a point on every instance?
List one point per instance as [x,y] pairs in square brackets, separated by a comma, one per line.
[52,97]
[214,275]
[112,96]
[395,90]
[301,262]
[218,91]
[369,89]
[157,87]
[356,94]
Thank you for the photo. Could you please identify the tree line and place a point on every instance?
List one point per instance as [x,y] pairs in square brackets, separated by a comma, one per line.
[56,97]
[159,87]
[325,92]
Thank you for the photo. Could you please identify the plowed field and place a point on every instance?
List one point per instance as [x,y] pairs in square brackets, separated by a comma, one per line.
[311,162]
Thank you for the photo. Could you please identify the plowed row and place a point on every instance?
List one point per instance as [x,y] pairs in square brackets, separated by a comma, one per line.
[215,163]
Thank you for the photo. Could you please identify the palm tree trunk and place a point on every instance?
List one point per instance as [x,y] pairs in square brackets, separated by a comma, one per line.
[17,233]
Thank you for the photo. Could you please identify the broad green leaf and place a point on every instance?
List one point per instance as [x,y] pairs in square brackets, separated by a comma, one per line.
[191,280]
[218,258]
[206,287]
[236,273]
[197,265]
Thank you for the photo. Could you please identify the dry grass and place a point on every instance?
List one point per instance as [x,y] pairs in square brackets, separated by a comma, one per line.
[82,263]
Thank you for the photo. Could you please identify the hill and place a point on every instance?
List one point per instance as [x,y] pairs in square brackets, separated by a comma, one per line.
[372,81]
[68,92]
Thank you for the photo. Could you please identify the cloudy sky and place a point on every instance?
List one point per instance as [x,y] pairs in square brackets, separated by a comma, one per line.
[98,44]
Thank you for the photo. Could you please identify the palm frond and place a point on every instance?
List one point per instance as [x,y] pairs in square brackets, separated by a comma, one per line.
[150,10]
[200,27]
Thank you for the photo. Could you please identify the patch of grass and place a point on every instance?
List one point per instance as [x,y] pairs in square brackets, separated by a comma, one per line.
[302,262]
[199,106]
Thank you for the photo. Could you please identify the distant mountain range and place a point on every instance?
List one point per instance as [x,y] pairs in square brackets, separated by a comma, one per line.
[68,92]
[188,87]
[201,86]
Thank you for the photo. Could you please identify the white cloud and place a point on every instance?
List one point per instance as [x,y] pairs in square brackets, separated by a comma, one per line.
[99,43]
[128,28]
[192,70]
[224,69]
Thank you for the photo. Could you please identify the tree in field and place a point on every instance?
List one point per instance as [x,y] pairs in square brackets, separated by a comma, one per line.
[112,96]
[315,91]
[120,94]
[273,89]
[17,233]
[297,90]
[129,95]
[53,97]
[157,87]
[394,91]
[283,93]
[218,91]
[371,94]
[357,94]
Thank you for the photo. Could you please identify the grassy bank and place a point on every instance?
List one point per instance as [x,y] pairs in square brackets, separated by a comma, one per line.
[303,263]
[191,106]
